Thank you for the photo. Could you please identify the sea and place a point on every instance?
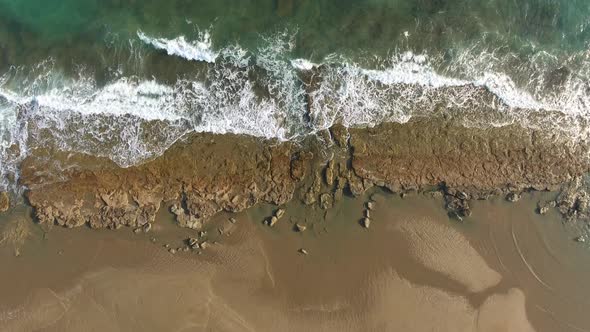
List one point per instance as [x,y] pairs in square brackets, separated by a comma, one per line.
[126,79]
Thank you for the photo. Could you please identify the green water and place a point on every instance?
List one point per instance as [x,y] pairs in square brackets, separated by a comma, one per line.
[77,75]
[31,28]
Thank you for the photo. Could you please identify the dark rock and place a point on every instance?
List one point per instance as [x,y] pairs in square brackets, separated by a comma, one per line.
[458,208]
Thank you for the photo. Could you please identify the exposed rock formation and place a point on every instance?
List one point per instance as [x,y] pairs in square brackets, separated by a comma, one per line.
[427,152]
[211,173]
[205,175]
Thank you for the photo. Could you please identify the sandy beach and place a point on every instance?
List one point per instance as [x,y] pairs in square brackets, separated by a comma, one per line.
[504,269]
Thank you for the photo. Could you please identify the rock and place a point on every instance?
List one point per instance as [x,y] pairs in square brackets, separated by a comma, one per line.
[543,210]
[355,185]
[366,222]
[298,165]
[4,201]
[204,245]
[303,251]
[423,152]
[367,213]
[137,230]
[232,220]
[131,196]
[370,205]
[272,221]
[172,251]
[192,243]
[436,194]
[147,227]
[513,197]
[455,215]
[280,213]
[300,227]
[329,173]
[543,207]
[339,191]
[309,198]
[339,135]
[326,201]
[580,239]
[417,155]
[457,208]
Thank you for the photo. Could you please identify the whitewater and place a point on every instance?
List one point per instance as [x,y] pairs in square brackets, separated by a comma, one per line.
[131,119]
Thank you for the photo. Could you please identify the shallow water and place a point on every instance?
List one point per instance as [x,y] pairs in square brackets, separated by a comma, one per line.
[504,269]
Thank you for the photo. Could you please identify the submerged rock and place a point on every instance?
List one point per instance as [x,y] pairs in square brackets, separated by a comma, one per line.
[543,210]
[280,213]
[326,201]
[366,222]
[303,251]
[147,227]
[300,228]
[458,208]
[272,221]
[513,197]
[192,243]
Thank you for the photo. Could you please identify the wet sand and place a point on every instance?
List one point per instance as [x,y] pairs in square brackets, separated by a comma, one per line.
[505,268]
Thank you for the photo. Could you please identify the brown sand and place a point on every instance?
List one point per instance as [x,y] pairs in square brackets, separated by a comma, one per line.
[413,270]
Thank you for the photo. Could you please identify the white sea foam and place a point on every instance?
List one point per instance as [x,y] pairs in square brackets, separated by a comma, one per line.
[131,120]
[198,50]
[303,64]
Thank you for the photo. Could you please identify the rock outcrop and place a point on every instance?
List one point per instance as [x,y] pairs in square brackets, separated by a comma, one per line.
[431,151]
[208,173]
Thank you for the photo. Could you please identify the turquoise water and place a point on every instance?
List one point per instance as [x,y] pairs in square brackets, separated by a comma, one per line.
[125,79]
[60,27]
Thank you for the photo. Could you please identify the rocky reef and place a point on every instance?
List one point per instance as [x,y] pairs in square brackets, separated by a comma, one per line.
[205,174]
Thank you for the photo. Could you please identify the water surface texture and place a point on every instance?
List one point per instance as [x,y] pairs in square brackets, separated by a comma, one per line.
[125,79]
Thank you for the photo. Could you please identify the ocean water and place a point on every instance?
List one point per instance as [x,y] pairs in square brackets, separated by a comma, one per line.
[125,79]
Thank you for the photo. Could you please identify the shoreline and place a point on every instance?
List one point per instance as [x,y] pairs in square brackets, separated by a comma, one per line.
[206,174]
